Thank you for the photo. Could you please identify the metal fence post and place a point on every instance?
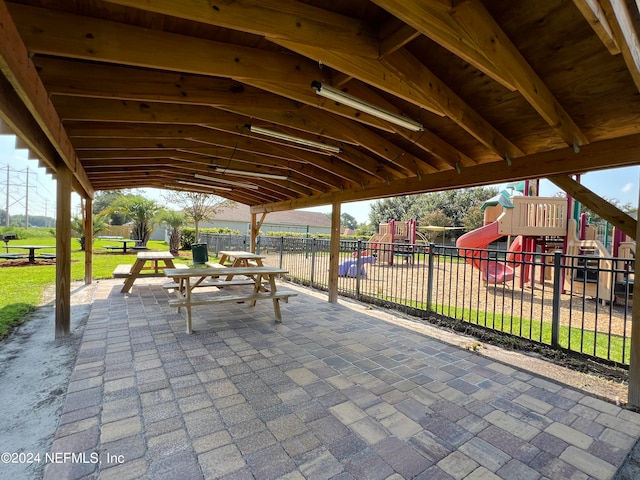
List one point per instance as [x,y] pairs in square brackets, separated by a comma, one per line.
[557,290]
[430,267]
[281,250]
[358,267]
[313,260]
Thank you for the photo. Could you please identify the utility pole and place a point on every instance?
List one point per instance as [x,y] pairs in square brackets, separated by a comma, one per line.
[6,215]
[26,203]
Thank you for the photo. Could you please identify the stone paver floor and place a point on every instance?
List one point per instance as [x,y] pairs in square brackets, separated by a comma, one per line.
[329,393]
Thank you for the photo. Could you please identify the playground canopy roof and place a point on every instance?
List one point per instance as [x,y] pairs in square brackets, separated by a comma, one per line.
[131,93]
[501,199]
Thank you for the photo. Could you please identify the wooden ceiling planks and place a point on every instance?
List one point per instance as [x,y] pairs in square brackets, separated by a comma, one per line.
[164,91]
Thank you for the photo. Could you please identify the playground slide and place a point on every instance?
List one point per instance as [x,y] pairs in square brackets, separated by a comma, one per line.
[492,270]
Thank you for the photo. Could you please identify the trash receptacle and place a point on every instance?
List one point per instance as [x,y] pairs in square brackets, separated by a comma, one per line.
[199,253]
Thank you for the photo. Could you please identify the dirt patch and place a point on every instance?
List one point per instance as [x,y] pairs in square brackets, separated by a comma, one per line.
[35,368]
[25,263]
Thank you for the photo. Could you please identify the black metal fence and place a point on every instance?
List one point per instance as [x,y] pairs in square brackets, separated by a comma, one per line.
[578,303]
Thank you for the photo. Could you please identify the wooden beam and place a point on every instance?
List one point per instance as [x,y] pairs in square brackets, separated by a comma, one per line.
[277,19]
[20,122]
[434,21]
[63,251]
[477,38]
[61,34]
[617,152]
[18,69]
[405,65]
[609,212]
[626,35]
[634,362]
[88,239]
[592,12]
[131,83]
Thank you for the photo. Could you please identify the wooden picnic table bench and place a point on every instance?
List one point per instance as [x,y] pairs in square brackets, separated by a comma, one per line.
[185,297]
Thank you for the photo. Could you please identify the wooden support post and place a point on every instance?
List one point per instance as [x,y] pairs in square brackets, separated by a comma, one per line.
[334,253]
[634,366]
[255,229]
[88,240]
[63,250]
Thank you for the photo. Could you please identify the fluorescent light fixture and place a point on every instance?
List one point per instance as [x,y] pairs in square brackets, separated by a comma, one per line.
[346,99]
[244,173]
[291,138]
[226,182]
[202,185]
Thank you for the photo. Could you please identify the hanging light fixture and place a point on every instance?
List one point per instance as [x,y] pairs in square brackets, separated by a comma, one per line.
[291,138]
[202,185]
[226,182]
[351,101]
[245,173]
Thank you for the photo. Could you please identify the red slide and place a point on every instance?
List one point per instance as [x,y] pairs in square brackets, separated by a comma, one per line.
[492,270]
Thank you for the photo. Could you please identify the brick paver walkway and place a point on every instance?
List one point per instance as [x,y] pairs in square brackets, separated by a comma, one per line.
[329,393]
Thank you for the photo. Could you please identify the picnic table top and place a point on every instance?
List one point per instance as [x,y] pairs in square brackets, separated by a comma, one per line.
[155,255]
[240,254]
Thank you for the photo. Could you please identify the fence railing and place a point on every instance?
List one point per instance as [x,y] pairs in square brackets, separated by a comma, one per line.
[578,303]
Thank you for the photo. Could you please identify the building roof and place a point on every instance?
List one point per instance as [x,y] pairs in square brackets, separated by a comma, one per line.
[242,213]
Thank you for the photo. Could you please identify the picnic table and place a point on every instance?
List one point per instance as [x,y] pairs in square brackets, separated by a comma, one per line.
[123,247]
[32,251]
[240,258]
[145,262]
[186,280]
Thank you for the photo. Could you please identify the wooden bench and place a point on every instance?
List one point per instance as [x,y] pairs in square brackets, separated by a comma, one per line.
[207,299]
[114,247]
[217,283]
[215,265]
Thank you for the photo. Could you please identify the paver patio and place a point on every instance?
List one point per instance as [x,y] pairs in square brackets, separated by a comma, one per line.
[332,392]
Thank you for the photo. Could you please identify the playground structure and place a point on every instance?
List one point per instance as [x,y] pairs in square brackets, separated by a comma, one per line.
[542,224]
[403,238]
[531,220]
[591,260]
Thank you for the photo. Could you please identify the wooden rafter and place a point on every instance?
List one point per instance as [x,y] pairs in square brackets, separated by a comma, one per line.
[22,75]
[470,31]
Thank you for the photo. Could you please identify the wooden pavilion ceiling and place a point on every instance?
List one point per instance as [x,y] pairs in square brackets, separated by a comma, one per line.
[150,93]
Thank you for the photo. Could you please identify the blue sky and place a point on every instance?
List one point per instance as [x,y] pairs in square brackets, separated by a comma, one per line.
[621,183]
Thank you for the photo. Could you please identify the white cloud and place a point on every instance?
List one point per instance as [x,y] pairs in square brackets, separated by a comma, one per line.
[627,187]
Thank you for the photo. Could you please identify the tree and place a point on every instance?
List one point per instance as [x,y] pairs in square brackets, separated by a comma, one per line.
[141,211]
[455,204]
[436,219]
[348,221]
[395,208]
[198,207]
[474,219]
[77,227]
[102,202]
[174,222]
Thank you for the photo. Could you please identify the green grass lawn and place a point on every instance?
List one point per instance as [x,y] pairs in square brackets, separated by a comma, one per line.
[22,287]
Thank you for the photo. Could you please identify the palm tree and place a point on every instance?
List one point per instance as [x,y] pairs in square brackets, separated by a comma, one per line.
[142,212]
[174,222]
[99,223]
